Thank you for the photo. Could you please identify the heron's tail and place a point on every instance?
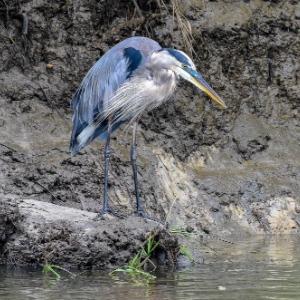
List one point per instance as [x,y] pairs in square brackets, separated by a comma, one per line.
[84,134]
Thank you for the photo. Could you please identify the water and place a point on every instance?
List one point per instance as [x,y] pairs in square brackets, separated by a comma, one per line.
[256,269]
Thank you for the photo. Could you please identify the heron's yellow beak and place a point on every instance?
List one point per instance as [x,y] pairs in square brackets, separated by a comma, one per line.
[203,86]
[196,79]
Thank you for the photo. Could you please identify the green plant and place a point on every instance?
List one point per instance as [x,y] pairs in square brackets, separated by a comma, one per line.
[184,250]
[135,267]
[49,269]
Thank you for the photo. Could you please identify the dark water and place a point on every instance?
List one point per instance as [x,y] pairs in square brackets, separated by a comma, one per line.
[259,269]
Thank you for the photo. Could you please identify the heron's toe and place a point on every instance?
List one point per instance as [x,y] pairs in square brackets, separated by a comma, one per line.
[109,213]
[144,215]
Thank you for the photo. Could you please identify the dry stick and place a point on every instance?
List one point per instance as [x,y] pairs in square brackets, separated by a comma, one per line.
[45,96]
[141,15]
[137,8]
[221,239]
[9,148]
[184,26]
[46,189]
[50,102]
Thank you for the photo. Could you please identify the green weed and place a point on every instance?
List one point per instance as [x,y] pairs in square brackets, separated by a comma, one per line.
[135,267]
[184,250]
[49,269]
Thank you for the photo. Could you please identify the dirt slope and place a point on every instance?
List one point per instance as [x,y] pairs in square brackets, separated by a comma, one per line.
[223,172]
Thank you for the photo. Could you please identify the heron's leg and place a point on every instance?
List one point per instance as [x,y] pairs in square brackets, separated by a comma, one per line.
[133,156]
[105,208]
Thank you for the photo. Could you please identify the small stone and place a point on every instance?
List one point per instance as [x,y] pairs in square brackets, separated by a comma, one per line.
[189,229]
[221,288]
[49,66]
[25,108]
[183,262]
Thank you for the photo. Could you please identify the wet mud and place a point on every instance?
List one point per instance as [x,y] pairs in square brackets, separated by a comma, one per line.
[35,233]
[223,173]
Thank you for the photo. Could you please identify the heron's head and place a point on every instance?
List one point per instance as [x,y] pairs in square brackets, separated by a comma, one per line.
[184,67]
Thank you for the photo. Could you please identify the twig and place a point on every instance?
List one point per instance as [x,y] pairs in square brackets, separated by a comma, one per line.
[46,189]
[45,95]
[137,8]
[65,270]
[139,11]
[184,26]
[49,101]
[161,3]
[213,235]
[7,147]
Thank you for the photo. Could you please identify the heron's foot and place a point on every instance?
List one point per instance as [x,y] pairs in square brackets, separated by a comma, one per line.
[109,211]
[141,213]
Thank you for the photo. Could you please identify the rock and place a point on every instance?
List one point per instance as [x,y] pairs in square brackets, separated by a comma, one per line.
[35,232]
[183,262]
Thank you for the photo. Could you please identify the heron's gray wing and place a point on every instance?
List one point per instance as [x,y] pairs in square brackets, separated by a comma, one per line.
[98,86]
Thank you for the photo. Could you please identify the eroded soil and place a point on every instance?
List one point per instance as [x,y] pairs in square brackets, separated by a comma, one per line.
[227,172]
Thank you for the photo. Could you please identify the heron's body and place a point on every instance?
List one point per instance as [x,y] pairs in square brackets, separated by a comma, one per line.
[134,76]
[102,82]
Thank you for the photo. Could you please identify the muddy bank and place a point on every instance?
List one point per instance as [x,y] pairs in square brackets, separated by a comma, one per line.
[34,233]
[222,172]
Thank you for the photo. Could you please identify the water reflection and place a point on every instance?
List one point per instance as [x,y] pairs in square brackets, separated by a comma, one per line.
[266,268]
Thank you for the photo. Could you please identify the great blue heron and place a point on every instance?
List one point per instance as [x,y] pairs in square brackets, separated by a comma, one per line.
[134,76]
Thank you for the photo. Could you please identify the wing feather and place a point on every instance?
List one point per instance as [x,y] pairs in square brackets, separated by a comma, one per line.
[94,92]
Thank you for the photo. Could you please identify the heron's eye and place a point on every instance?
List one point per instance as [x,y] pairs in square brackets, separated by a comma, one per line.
[186,67]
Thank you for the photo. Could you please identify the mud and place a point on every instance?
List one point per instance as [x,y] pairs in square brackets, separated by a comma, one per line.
[232,172]
[35,232]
